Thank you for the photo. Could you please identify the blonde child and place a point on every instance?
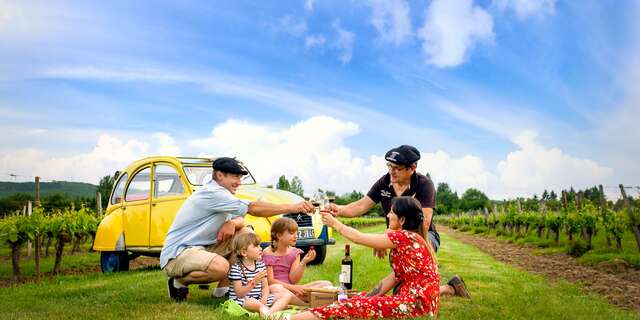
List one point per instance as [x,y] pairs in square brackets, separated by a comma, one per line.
[248,282]
[284,265]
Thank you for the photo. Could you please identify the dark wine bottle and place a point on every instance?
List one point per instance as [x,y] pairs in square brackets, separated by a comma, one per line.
[346,272]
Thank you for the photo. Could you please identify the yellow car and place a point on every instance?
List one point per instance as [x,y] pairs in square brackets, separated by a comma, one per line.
[148,193]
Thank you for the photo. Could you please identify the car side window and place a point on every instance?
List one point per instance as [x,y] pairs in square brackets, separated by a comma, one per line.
[166,182]
[140,186]
[118,192]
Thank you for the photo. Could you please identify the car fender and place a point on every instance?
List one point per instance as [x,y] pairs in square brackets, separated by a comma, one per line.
[110,234]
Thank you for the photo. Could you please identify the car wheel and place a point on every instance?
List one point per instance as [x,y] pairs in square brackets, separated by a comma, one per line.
[321,253]
[114,261]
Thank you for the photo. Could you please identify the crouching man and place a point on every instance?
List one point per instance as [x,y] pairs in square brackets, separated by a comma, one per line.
[198,245]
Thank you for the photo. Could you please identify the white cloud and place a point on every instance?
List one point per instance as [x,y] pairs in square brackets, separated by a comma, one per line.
[109,154]
[391,19]
[308,5]
[26,19]
[534,168]
[291,25]
[282,98]
[314,41]
[617,131]
[527,8]
[490,124]
[344,42]
[316,150]
[166,144]
[460,173]
[451,29]
[313,149]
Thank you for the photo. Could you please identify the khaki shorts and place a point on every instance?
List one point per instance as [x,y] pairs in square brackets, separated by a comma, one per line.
[199,258]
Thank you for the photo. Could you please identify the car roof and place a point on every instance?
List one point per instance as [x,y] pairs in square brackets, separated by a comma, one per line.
[175,160]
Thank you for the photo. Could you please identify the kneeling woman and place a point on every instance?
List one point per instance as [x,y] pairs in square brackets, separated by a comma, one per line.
[413,263]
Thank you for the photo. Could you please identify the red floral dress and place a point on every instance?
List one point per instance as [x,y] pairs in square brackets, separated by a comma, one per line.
[418,294]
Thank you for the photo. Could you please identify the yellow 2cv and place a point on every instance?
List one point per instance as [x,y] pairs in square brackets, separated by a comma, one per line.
[149,192]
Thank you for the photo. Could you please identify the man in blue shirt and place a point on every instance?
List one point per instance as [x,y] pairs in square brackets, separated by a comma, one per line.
[198,242]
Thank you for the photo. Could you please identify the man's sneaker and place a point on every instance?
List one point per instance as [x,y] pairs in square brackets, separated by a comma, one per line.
[177,294]
[460,288]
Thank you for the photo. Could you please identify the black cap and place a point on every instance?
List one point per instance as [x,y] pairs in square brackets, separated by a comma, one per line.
[229,165]
[403,155]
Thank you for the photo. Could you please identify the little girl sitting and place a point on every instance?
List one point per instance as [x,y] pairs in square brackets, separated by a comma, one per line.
[248,283]
[284,265]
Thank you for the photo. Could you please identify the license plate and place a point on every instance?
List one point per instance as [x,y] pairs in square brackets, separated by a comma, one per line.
[305,233]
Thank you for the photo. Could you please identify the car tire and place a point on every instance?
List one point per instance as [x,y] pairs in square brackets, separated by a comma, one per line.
[321,253]
[114,261]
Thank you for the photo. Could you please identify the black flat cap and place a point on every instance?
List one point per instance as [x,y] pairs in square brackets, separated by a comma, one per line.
[403,155]
[229,165]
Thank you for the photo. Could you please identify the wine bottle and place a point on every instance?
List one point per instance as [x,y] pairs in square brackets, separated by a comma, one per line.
[346,272]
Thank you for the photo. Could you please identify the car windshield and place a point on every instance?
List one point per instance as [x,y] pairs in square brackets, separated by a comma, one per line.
[199,175]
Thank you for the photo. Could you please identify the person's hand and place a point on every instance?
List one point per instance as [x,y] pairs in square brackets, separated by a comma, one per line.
[380,253]
[260,275]
[226,231]
[264,299]
[329,220]
[297,290]
[304,206]
[332,208]
[309,256]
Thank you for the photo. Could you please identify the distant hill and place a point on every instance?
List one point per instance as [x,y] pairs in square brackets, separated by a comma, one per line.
[72,189]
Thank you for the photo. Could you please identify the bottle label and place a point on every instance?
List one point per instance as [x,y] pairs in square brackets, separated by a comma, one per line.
[345,274]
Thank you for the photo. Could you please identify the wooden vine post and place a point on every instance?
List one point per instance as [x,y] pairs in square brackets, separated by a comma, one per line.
[29,211]
[99,203]
[603,207]
[635,225]
[37,197]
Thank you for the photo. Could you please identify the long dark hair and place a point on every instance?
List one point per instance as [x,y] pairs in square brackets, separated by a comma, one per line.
[411,210]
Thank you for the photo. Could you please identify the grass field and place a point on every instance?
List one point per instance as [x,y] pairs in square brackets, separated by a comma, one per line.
[600,252]
[498,290]
[80,260]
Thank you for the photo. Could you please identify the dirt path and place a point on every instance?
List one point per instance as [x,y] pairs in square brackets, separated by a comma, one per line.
[616,282]
[138,263]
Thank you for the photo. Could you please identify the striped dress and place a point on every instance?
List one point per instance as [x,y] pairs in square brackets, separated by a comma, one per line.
[239,272]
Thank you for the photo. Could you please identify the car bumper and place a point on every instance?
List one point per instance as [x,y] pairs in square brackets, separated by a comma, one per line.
[314,242]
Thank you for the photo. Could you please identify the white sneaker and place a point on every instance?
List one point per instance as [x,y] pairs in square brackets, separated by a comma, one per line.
[220,292]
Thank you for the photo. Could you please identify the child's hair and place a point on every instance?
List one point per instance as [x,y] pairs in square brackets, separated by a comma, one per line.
[242,242]
[280,226]
[411,210]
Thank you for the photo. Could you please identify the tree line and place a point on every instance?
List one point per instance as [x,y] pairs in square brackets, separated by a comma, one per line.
[56,201]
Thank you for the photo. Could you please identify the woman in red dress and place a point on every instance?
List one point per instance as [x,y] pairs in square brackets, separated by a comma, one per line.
[413,263]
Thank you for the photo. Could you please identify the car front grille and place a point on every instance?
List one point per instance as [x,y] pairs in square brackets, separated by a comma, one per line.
[303,219]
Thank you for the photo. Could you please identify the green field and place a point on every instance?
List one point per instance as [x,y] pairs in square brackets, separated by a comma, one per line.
[498,290]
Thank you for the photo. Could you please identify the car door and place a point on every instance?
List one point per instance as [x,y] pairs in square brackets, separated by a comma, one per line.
[169,192]
[137,209]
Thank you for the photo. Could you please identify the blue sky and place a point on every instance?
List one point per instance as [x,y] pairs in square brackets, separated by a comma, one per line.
[508,96]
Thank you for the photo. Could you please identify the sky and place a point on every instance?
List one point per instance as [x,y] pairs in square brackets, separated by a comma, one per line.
[511,97]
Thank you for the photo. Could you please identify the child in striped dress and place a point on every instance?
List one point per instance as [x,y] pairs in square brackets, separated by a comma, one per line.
[248,278]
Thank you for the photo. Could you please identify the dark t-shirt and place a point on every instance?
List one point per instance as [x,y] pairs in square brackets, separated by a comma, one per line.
[421,188]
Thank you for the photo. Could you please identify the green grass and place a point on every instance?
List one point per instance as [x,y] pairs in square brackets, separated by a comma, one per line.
[498,290]
[80,260]
[600,252]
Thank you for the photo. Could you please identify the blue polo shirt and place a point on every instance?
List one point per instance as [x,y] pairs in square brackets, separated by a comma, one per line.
[200,218]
